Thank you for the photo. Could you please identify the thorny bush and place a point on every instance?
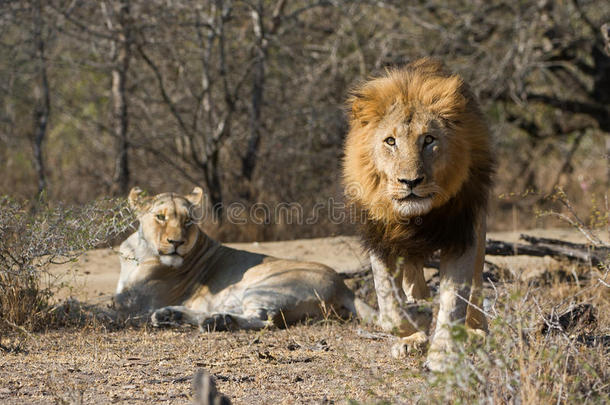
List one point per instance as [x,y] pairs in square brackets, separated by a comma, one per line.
[31,240]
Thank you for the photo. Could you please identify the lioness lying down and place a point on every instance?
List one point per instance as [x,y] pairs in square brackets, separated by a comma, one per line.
[171,267]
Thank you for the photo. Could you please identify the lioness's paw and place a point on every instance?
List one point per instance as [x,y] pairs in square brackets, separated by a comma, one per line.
[409,344]
[166,316]
[217,322]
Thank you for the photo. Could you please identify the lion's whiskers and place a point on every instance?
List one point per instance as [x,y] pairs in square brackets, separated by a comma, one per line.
[426,190]
[432,189]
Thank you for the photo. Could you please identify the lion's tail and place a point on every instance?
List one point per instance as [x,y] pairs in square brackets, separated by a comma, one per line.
[360,309]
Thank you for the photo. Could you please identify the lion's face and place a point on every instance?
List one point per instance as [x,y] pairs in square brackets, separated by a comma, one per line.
[167,223]
[414,135]
[413,155]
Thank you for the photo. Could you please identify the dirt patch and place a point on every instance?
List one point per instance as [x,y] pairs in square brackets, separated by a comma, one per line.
[318,363]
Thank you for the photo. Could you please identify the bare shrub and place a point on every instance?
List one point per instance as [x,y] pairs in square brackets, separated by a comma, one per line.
[31,241]
[591,229]
[518,363]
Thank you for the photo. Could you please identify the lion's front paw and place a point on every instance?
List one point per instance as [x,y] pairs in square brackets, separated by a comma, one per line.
[217,322]
[441,353]
[438,360]
[166,316]
[409,344]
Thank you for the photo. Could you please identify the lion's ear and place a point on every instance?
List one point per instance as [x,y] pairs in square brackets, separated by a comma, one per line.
[138,200]
[196,198]
[357,105]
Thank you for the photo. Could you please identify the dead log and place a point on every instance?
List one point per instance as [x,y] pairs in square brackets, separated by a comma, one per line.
[501,248]
[555,248]
[578,246]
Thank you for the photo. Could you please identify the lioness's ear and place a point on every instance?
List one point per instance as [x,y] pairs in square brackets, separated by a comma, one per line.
[138,200]
[196,198]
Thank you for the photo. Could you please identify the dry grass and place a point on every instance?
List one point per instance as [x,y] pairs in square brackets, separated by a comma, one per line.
[520,362]
[302,364]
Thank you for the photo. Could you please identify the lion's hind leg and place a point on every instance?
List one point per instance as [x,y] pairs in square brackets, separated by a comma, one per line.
[475,318]
[476,321]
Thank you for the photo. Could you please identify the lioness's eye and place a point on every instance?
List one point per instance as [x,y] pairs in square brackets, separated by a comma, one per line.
[428,140]
[390,141]
[161,217]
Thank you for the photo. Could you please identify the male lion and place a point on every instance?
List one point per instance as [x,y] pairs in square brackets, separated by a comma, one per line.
[419,165]
[170,266]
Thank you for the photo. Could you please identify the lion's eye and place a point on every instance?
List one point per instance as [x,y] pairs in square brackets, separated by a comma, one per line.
[161,217]
[390,141]
[428,140]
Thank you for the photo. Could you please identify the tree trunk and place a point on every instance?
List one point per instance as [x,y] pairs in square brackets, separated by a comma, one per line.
[213,186]
[258,83]
[119,99]
[43,106]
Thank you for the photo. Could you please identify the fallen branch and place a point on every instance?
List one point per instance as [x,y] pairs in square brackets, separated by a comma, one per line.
[549,247]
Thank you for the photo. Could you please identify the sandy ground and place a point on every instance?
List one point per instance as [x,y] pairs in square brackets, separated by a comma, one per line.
[94,276]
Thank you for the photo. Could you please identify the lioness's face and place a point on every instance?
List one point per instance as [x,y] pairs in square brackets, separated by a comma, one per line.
[167,223]
[413,153]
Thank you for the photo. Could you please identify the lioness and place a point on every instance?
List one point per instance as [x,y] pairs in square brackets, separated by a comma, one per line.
[170,266]
[419,165]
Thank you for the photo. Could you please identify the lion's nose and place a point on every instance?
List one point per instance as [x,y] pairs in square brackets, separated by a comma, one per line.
[176,243]
[412,183]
